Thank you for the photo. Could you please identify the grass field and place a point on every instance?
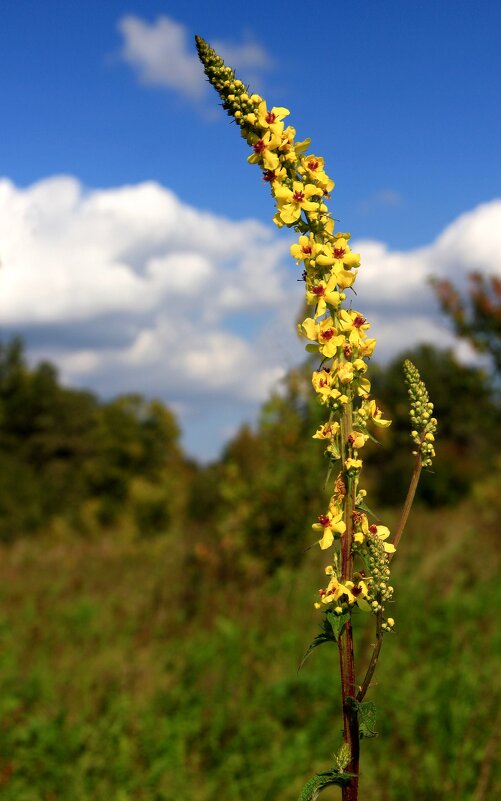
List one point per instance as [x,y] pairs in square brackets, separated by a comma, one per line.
[153,671]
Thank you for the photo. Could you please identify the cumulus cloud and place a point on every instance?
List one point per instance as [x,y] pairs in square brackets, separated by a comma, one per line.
[163,54]
[129,289]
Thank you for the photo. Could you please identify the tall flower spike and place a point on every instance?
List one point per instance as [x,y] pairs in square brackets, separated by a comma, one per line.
[301,188]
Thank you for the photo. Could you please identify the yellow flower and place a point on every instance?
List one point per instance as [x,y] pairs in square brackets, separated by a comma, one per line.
[271,119]
[353,324]
[323,293]
[345,372]
[383,532]
[327,431]
[274,177]
[334,591]
[312,167]
[370,410]
[322,382]
[366,347]
[263,151]
[324,333]
[338,254]
[305,249]
[353,466]
[330,524]
[292,201]
[357,439]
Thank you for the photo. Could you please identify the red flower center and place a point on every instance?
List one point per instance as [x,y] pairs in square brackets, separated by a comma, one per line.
[298,197]
[313,165]
[270,117]
[259,146]
[373,529]
[328,334]
[269,175]
[306,249]
[323,520]
[339,253]
[318,290]
[359,321]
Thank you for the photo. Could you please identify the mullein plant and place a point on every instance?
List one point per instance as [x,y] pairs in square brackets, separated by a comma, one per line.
[359,551]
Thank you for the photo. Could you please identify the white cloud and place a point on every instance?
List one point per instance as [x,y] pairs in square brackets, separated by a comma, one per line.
[394,288]
[129,289]
[163,54]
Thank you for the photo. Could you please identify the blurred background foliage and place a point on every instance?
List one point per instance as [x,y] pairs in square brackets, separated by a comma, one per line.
[153,611]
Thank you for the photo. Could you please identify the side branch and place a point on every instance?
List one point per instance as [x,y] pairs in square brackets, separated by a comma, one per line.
[374,658]
[416,473]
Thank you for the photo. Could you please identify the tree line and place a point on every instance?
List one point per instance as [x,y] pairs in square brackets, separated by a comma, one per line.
[71,463]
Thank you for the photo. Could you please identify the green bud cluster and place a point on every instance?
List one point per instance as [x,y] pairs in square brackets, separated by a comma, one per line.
[233,92]
[380,590]
[424,425]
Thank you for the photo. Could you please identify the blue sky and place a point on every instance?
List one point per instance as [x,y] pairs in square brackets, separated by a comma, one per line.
[402,99]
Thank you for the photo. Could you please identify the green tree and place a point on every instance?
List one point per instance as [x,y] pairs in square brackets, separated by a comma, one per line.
[475,316]
[469,431]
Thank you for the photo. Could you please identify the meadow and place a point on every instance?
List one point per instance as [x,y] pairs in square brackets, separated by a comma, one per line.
[154,670]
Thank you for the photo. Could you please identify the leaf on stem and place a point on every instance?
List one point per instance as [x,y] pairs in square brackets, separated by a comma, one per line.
[332,626]
[366,717]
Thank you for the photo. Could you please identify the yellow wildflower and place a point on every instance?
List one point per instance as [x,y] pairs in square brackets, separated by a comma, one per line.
[353,466]
[264,148]
[353,324]
[292,201]
[337,253]
[323,293]
[364,530]
[357,439]
[324,333]
[305,249]
[322,382]
[370,411]
[271,119]
[330,524]
[327,431]
[312,167]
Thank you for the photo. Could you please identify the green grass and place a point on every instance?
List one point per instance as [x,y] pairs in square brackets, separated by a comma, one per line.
[159,671]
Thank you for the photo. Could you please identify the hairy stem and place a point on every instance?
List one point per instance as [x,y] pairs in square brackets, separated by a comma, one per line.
[374,658]
[416,473]
[345,643]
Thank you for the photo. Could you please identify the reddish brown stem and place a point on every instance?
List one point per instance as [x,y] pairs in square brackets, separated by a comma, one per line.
[416,473]
[374,658]
[351,733]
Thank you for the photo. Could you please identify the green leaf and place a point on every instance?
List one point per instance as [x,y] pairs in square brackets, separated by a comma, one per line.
[312,788]
[337,622]
[363,506]
[366,717]
[312,348]
[326,635]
